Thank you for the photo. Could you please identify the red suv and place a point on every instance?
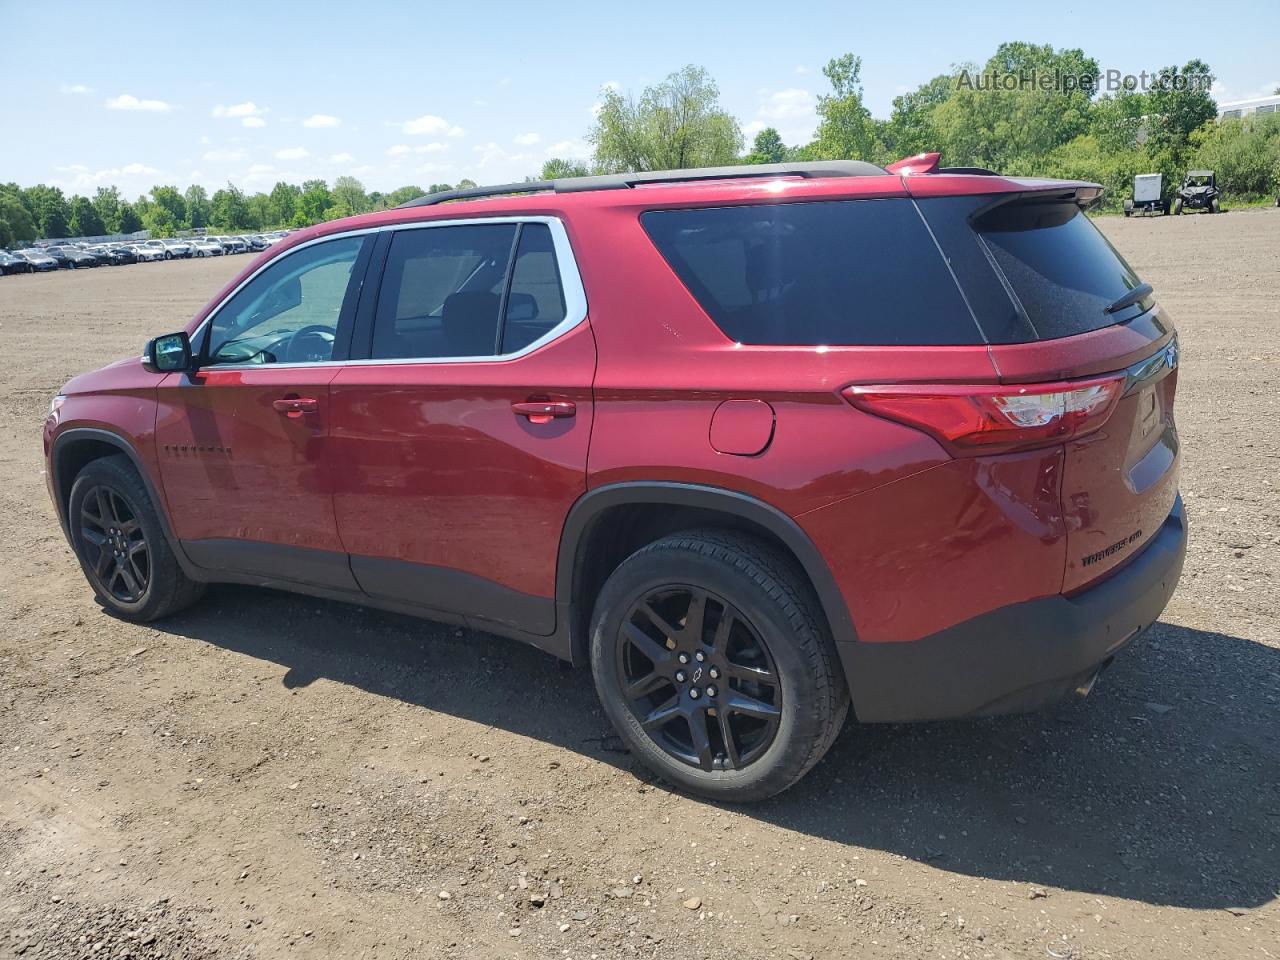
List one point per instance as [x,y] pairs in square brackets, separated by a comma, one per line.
[760,444]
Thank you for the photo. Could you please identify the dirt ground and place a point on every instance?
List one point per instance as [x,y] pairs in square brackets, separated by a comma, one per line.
[268,775]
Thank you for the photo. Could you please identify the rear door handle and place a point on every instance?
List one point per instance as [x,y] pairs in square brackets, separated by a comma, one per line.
[295,406]
[544,411]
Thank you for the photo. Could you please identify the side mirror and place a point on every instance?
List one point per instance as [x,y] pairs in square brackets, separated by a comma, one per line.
[168,354]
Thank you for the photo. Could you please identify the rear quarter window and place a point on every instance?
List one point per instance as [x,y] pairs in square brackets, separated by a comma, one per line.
[1062,270]
[834,273]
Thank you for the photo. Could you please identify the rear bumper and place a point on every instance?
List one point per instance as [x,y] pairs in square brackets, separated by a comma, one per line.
[1020,657]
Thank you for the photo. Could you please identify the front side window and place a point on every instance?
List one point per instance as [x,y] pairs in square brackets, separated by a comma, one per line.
[289,312]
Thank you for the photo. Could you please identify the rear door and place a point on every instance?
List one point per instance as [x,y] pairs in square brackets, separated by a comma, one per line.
[1067,282]
[460,434]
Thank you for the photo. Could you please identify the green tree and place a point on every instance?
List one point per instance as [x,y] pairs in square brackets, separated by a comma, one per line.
[49,210]
[464,184]
[1006,117]
[314,201]
[405,194]
[229,210]
[1178,104]
[910,129]
[106,201]
[159,220]
[199,208]
[259,211]
[676,124]
[350,194]
[845,129]
[283,203]
[84,220]
[19,224]
[558,168]
[767,148]
[1244,153]
[172,201]
[130,221]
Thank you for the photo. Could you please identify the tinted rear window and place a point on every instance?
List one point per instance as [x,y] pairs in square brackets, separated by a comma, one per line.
[1062,270]
[834,273]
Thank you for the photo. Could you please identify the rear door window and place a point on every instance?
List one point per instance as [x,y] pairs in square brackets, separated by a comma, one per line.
[834,273]
[1062,270]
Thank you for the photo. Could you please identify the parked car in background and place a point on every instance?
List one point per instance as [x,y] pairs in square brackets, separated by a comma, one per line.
[206,247]
[179,248]
[255,243]
[897,444]
[100,253]
[234,245]
[40,261]
[121,254]
[146,253]
[71,257]
[13,263]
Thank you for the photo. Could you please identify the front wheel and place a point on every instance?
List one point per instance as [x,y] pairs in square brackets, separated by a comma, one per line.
[121,546]
[1214,206]
[1177,208]
[714,663]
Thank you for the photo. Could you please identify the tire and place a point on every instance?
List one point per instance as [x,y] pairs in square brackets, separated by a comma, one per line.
[110,490]
[168,255]
[785,721]
[1177,208]
[1214,206]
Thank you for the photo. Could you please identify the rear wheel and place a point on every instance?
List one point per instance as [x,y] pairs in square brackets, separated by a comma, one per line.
[1177,207]
[1214,206]
[712,659]
[121,546]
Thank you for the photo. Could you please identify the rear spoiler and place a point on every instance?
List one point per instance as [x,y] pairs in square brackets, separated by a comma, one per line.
[1078,191]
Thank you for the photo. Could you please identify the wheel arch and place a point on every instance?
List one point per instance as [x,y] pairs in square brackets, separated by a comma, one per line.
[75,448]
[607,524]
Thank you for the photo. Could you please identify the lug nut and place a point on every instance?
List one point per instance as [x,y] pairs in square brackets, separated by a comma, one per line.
[699,656]
[683,658]
[714,673]
[711,691]
[679,676]
[694,694]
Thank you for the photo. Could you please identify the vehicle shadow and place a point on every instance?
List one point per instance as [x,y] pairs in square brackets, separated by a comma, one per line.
[1163,787]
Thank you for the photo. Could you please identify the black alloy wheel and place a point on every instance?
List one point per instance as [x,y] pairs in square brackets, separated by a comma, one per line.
[699,678]
[116,548]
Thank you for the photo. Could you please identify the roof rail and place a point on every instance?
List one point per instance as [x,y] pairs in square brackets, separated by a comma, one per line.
[976,171]
[624,181]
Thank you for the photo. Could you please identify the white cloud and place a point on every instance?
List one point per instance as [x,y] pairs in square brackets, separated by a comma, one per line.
[254,122]
[293,153]
[224,156]
[491,155]
[247,109]
[793,112]
[261,168]
[802,70]
[570,150]
[84,180]
[319,121]
[399,150]
[527,139]
[76,88]
[127,101]
[430,126]
[342,158]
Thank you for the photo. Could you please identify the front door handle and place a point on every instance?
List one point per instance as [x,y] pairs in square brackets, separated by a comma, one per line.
[295,407]
[544,411]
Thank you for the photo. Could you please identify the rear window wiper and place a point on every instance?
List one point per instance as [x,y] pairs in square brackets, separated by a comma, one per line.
[1140,292]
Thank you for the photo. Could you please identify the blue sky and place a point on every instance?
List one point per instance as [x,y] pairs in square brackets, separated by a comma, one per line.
[399,93]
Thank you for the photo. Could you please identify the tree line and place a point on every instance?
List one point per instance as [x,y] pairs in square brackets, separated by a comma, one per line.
[1068,130]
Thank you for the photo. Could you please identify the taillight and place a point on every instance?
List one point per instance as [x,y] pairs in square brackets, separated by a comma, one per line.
[985,419]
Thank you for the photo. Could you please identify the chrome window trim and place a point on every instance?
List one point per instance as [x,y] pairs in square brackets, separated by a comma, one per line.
[575,295]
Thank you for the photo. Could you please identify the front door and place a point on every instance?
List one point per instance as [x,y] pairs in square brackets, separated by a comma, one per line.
[242,441]
[460,441]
